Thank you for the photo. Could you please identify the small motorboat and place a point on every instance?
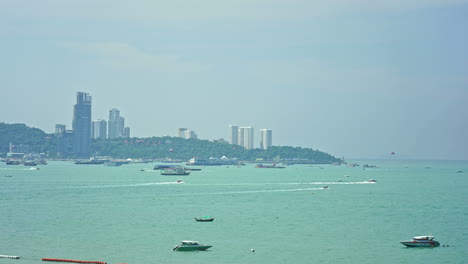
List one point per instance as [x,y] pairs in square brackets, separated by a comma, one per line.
[421,241]
[204,219]
[325,187]
[187,245]
[371,180]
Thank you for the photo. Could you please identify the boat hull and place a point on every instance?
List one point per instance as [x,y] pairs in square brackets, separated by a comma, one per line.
[204,219]
[420,244]
[192,248]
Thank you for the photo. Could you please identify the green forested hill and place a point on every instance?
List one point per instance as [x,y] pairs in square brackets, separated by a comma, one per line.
[157,147]
[20,134]
[184,149]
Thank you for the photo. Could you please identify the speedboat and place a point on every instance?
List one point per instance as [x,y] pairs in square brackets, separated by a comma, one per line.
[187,245]
[421,241]
[204,219]
[371,180]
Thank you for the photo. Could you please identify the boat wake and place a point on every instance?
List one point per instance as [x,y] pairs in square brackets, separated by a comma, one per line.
[242,192]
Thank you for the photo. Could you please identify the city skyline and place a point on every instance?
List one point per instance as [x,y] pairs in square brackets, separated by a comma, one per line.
[357,79]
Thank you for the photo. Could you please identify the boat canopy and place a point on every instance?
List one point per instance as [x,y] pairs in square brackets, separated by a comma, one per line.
[423,237]
[188,242]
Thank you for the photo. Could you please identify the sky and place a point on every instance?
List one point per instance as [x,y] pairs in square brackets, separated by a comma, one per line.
[353,78]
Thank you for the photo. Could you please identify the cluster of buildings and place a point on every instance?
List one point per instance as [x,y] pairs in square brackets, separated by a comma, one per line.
[77,141]
[186,133]
[244,136]
[114,128]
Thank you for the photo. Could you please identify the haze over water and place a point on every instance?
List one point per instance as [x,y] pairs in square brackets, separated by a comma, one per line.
[124,215]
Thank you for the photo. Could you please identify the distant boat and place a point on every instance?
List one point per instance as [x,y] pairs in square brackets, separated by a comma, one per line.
[192,169]
[30,163]
[272,166]
[204,219]
[12,162]
[112,163]
[421,241]
[90,162]
[164,167]
[175,171]
[187,245]
[371,180]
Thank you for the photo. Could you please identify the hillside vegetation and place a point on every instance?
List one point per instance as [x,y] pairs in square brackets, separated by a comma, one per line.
[157,147]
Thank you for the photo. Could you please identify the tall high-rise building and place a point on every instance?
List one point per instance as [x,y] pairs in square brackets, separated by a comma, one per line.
[190,134]
[116,124]
[65,143]
[265,138]
[82,125]
[59,128]
[126,133]
[99,129]
[181,132]
[246,137]
[233,134]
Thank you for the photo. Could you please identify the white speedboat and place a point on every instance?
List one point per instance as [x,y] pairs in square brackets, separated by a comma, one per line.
[187,245]
[421,241]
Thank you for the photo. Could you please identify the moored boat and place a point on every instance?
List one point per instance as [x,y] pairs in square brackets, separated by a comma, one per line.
[175,171]
[272,166]
[421,241]
[187,245]
[204,219]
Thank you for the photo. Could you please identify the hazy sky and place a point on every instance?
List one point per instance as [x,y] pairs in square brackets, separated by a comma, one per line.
[354,78]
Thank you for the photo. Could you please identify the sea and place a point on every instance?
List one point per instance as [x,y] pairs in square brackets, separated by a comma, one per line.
[132,214]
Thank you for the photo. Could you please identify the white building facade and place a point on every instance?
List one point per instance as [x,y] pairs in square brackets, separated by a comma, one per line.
[265,138]
[246,137]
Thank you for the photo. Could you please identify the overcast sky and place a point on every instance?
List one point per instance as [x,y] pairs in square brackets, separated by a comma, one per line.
[354,78]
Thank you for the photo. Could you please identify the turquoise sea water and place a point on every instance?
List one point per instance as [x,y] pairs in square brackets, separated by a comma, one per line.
[124,215]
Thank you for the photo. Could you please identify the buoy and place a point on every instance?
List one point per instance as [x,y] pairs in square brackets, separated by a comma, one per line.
[9,257]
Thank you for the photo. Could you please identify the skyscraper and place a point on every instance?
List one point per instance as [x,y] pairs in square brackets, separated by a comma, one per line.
[126,133]
[233,134]
[59,128]
[246,137]
[265,138]
[181,132]
[116,124]
[99,129]
[82,125]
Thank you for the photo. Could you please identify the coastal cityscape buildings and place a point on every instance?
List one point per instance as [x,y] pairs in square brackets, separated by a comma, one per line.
[246,137]
[77,141]
[233,135]
[82,125]
[265,138]
[186,133]
[99,129]
[181,132]
[116,125]
[59,128]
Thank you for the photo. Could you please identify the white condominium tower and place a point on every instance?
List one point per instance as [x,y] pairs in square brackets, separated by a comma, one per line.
[115,125]
[246,137]
[234,135]
[99,129]
[265,138]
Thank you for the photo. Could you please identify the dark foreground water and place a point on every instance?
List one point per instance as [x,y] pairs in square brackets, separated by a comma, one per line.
[124,215]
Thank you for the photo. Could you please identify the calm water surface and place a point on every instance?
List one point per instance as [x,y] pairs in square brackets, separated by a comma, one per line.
[124,215]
